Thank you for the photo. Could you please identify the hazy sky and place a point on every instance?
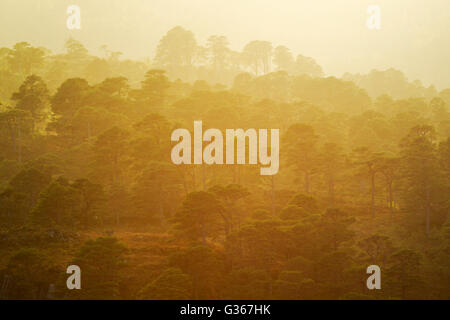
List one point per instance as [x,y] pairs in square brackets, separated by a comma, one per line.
[414,35]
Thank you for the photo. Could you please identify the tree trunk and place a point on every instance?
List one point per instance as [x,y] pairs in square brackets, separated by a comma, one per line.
[115,173]
[391,209]
[428,211]
[89,130]
[19,144]
[307,182]
[227,224]
[193,179]
[161,208]
[204,177]
[331,191]
[203,234]
[273,195]
[239,175]
[372,191]
[186,189]
[12,131]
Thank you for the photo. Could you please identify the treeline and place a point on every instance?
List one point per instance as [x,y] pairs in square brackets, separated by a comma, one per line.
[362,181]
[179,53]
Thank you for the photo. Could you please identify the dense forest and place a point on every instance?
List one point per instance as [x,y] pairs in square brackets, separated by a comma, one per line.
[86,177]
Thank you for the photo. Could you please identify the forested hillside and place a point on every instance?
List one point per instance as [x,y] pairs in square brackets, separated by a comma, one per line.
[86,177]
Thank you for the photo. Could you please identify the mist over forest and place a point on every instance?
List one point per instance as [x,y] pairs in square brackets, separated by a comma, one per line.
[413,36]
[86,176]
